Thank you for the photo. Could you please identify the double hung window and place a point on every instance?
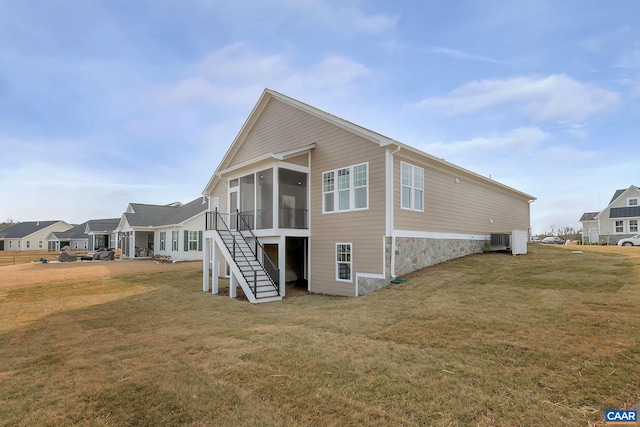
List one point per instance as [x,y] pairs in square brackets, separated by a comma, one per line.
[163,240]
[346,189]
[193,240]
[174,240]
[411,187]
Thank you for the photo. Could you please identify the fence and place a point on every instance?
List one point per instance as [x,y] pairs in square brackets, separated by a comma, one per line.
[25,257]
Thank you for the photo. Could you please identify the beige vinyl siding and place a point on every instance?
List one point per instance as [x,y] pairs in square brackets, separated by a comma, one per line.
[302,160]
[364,229]
[279,128]
[455,202]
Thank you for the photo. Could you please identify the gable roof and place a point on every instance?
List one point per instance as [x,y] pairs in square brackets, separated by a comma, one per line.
[589,216]
[144,215]
[76,233]
[370,135]
[102,225]
[620,192]
[617,194]
[24,229]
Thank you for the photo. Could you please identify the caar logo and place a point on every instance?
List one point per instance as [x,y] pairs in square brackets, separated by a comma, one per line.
[620,417]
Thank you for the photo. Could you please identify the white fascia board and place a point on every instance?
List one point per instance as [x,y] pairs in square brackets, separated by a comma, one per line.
[294,152]
[245,164]
[440,235]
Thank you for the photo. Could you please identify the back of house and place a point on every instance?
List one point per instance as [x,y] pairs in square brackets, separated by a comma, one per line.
[342,209]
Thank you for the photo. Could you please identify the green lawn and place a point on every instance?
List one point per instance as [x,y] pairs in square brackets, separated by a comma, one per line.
[550,338]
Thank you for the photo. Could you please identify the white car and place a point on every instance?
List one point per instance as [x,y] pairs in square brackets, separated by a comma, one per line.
[630,241]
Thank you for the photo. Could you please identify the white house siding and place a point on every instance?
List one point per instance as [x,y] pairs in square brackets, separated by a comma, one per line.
[194,224]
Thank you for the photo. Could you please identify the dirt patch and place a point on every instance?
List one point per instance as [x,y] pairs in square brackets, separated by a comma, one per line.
[15,276]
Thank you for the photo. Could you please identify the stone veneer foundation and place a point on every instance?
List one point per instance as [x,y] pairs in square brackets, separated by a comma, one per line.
[414,253]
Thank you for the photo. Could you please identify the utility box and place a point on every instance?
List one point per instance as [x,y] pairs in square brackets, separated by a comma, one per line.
[519,239]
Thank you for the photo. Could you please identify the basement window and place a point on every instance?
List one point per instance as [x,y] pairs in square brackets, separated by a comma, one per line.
[343,262]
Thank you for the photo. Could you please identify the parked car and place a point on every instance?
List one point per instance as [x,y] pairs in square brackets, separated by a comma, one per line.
[630,241]
[553,240]
[536,239]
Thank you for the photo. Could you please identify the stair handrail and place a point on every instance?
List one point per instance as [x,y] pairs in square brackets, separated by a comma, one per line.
[275,282]
[232,251]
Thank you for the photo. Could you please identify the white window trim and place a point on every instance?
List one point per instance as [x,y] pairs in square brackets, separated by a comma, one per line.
[615,227]
[174,240]
[412,188]
[633,198]
[193,240]
[338,279]
[163,241]
[352,188]
[637,226]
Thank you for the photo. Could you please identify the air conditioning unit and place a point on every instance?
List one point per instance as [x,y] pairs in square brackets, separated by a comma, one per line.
[500,241]
[516,242]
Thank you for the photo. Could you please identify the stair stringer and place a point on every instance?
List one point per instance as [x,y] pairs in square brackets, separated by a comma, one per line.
[235,270]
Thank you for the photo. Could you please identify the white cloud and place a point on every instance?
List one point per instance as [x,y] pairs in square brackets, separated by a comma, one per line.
[515,140]
[333,73]
[233,76]
[462,55]
[556,97]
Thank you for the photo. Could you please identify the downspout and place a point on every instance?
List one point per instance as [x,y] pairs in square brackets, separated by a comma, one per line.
[392,272]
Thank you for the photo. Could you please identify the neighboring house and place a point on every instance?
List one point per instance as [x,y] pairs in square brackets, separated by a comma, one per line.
[30,235]
[617,221]
[590,234]
[75,238]
[173,230]
[339,208]
[102,233]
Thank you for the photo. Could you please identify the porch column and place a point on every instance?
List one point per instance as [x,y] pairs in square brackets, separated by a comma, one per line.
[216,266]
[282,264]
[206,264]
[132,245]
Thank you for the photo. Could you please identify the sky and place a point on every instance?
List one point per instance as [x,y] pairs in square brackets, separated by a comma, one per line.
[107,102]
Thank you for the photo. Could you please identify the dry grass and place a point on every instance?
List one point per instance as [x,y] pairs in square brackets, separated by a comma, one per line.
[550,338]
